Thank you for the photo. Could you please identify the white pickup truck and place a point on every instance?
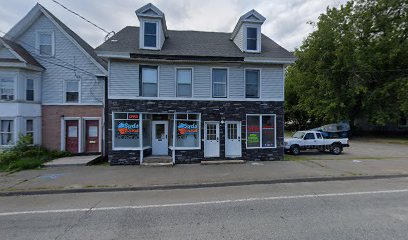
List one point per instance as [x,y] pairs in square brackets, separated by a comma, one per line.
[303,140]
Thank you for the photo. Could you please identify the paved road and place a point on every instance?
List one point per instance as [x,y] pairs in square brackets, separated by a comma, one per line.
[375,209]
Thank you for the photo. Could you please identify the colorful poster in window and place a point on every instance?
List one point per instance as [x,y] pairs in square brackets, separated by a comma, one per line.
[253,138]
[125,128]
[184,128]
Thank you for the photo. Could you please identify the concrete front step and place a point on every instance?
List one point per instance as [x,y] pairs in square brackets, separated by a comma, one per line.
[215,162]
[73,161]
[157,161]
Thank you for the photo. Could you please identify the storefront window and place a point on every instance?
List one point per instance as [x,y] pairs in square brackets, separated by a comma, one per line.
[268,131]
[261,131]
[253,133]
[187,131]
[126,130]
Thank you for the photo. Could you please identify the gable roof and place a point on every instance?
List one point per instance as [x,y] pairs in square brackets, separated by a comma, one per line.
[250,17]
[36,12]
[192,44]
[21,53]
[151,11]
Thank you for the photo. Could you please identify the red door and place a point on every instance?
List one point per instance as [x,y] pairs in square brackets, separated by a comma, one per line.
[71,136]
[92,136]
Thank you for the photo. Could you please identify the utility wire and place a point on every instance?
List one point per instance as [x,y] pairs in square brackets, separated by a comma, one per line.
[108,33]
[45,59]
[77,14]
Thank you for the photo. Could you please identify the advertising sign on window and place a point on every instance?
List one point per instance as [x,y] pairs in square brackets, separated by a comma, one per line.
[125,128]
[185,128]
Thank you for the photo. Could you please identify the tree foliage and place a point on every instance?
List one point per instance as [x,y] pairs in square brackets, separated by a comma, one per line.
[355,64]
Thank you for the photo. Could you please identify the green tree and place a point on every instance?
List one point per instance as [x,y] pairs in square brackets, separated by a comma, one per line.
[353,65]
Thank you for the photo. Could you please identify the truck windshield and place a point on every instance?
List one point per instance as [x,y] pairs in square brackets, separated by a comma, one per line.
[298,135]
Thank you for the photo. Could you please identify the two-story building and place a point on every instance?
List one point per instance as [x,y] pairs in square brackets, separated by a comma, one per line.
[51,86]
[193,95]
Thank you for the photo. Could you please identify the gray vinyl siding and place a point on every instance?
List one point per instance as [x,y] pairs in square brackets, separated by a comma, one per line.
[202,82]
[272,82]
[236,82]
[167,81]
[66,52]
[123,79]
[239,38]
[5,53]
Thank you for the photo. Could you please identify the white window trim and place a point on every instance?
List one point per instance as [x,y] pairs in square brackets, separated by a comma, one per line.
[142,33]
[37,45]
[176,82]
[226,84]
[65,91]
[25,90]
[258,42]
[14,132]
[14,78]
[260,131]
[259,85]
[141,79]
[199,132]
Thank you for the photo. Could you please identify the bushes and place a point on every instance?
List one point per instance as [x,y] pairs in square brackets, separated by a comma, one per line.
[26,156]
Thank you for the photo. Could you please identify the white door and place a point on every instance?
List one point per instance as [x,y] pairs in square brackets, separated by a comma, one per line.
[211,139]
[160,142]
[233,145]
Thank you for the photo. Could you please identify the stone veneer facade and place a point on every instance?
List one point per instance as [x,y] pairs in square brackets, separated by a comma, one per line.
[210,111]
[51,121]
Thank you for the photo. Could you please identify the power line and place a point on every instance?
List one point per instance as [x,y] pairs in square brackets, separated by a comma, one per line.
[77,14]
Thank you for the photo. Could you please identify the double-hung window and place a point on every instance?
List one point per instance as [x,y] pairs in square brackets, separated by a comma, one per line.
[252,39]
[6,132]
[261,131]
[30,129]
[252,82]
[72,91]
[184,82]
[150,35]
[149,75]
[45,43]
[30,90]
[219,83]
[6,89]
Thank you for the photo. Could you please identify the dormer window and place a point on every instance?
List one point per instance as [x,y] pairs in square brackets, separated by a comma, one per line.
[150,35]
[252,39]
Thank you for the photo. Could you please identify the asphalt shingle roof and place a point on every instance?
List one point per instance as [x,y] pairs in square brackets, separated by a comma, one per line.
[22,52]
[192,43]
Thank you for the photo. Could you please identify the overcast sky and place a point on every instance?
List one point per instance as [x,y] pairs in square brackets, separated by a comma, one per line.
[286,21]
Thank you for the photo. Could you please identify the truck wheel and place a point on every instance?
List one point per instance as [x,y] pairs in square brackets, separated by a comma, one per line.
[336,149]
[295,150]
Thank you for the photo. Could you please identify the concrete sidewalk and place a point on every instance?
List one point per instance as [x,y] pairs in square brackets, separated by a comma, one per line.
[109,178]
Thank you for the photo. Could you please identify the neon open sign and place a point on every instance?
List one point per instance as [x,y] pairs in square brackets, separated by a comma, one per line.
[133,116]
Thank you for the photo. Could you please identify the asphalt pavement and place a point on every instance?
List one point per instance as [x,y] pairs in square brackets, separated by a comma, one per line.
[364,209]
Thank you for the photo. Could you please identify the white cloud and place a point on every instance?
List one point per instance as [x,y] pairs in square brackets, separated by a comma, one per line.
[286,20]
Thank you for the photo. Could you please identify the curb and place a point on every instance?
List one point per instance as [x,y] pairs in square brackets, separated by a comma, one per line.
[196,185]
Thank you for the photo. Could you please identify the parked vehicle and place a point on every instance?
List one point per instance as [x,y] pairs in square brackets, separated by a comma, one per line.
[304,140]
[335,130]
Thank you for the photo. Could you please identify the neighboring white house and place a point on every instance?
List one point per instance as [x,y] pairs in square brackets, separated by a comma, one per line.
[51,85]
